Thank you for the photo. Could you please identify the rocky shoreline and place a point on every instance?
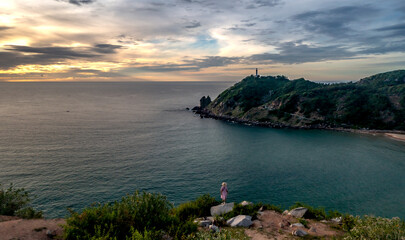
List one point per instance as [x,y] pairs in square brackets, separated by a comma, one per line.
[393,134]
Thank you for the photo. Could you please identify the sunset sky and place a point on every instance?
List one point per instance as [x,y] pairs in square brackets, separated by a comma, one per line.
[206,40]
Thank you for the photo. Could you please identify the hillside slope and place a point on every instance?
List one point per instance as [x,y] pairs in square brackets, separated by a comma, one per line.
[375,102]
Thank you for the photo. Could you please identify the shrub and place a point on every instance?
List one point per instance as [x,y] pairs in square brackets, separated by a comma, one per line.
[197,208]
[121,219]
[376,228]
[14,202]
[225,234]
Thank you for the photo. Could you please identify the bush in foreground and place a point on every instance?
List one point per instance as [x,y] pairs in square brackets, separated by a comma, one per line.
[371,227]
[138,216]
[197,208]
[15,202]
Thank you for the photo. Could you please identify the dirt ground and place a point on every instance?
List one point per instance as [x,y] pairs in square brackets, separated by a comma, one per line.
[12,228]
[273,225]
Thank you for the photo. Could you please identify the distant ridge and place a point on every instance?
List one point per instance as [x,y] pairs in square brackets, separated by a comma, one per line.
[375,102]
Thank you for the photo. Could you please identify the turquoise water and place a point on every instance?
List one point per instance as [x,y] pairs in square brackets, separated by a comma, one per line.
[71,144]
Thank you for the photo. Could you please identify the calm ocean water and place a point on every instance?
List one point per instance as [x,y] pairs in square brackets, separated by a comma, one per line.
[72,144]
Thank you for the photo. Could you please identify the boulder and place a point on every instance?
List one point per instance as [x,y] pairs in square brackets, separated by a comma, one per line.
[312,229]
[297,225]
[221,209]
[204,223]
[240,221]
[245,203]
[337,220]
[299,233]
[285,212]
[298,212]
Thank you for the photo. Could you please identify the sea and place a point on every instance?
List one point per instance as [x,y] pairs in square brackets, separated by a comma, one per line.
[74,144]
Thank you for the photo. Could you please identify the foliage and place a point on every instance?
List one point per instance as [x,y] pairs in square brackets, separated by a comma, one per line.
[376,102]
[200,207]
[376,228]
[128,218]
[15,201]
[224,234]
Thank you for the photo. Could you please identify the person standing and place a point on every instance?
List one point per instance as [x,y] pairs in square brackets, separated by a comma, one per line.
[224,192]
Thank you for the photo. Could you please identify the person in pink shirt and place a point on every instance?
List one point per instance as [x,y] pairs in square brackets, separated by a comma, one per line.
[224,192]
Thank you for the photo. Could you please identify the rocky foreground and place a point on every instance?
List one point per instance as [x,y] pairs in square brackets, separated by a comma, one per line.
[268,224]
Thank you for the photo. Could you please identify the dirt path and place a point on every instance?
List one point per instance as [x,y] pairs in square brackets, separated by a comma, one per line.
[273,225]
[33,229]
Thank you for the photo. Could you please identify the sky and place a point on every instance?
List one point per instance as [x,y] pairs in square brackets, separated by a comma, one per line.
[199,40]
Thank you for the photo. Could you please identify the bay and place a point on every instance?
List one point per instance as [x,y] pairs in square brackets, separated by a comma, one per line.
[72,144]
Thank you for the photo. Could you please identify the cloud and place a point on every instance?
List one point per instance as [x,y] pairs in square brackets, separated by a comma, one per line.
[294,53]
[4,28]
[397,30]
[263,3]
[81,2]
[106,48]
[187,65]
[194,24]
[52,52]
[334,22]
[21,55]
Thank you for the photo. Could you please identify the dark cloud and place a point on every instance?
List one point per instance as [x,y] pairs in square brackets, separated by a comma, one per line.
[334,22]
[397,30]
[21,55]
[292,53]
[81,2]
[3,28]
[263,3]
[194,24]
[188,65]
[213,61]
[106,48]
[53,52]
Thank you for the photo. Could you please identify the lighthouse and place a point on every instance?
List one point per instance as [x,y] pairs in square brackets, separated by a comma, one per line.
[257,72]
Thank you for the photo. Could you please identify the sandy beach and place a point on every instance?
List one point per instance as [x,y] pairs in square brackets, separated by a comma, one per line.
[400,137]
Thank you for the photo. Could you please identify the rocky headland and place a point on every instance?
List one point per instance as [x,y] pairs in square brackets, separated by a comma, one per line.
[375,104]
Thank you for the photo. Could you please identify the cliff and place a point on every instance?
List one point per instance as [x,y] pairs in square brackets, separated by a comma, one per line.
[375,102]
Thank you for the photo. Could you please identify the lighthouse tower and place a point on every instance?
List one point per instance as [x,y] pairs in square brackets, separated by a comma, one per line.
[257,72]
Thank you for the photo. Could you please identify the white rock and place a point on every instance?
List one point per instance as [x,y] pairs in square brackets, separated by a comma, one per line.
[337,220]
[298,212]
[299,233]
[240,221]
[285,212]
[204,223]
[245,203]
[221,209]
[297,225]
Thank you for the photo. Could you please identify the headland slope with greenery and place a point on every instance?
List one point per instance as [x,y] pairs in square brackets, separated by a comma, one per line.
[375,102]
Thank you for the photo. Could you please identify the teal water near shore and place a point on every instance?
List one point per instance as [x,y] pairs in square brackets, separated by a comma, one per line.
[72,144]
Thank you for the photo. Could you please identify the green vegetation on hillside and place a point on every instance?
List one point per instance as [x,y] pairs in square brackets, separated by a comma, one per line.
[150,216]
[15,202]
[376,102]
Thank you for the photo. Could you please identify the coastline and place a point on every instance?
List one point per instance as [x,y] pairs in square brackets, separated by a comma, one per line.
[398,135]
